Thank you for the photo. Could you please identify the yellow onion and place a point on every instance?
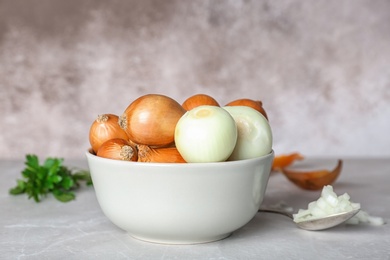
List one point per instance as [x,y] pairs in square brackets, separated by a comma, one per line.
[118,149]
[255,104]
[151,119]
[104,128]
[199,100]
[159,155]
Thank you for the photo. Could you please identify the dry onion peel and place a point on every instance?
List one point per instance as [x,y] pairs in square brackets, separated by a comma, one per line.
[313,180]
[284,160]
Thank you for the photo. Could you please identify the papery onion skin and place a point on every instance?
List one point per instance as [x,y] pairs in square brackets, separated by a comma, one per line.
[118,149]
[104,128]
[206,134]
[159,155]
[255,104]
[314,179]
[151,119]
[283,160]
[254,133]
[199,100]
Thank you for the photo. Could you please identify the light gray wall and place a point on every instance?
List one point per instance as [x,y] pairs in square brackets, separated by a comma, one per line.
[321,68]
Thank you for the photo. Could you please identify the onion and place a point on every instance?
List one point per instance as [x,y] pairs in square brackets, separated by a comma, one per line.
[206,134]
[329,203]
[117,149]
[254,133]
[160,155]
[151,120]
[364,217]
[199,100]
[104,128]
[255,104]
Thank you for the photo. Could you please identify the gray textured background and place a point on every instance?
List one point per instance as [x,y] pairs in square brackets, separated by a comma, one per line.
[321,68]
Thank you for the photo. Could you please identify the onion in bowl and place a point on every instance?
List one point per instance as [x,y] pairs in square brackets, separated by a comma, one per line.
[254,133]
[206,134]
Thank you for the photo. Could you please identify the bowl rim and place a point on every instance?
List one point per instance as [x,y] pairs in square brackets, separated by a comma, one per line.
[91,155]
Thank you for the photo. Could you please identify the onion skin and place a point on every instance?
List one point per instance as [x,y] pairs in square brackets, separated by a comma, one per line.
[284,160]
[159,155]
[104,128]
[151,120]
[199,100]
[118,149]
[313,180]
[256,104]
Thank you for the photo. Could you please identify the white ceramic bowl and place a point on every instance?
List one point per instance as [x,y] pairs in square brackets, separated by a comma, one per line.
[180,203]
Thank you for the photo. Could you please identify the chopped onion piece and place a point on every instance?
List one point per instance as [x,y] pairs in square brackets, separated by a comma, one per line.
[364,217]
[322,203]
[312,205]
[329,203]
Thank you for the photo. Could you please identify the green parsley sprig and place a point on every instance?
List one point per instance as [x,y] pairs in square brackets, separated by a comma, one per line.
[50,177]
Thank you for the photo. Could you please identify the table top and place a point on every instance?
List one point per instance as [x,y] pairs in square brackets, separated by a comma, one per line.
[79,230]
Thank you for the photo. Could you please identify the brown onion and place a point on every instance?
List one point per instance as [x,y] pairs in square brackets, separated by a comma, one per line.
[104,128]
[256,104]
[199,100]
[160,155]
[118,149]
[151,120]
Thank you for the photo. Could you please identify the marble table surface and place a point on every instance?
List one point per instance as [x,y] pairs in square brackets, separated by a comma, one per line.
[79,230]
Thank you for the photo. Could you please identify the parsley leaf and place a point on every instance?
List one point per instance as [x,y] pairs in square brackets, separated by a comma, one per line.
[50,177]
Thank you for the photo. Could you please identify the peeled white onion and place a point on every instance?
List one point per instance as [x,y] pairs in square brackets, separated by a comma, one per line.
[206,134]
[254,133]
